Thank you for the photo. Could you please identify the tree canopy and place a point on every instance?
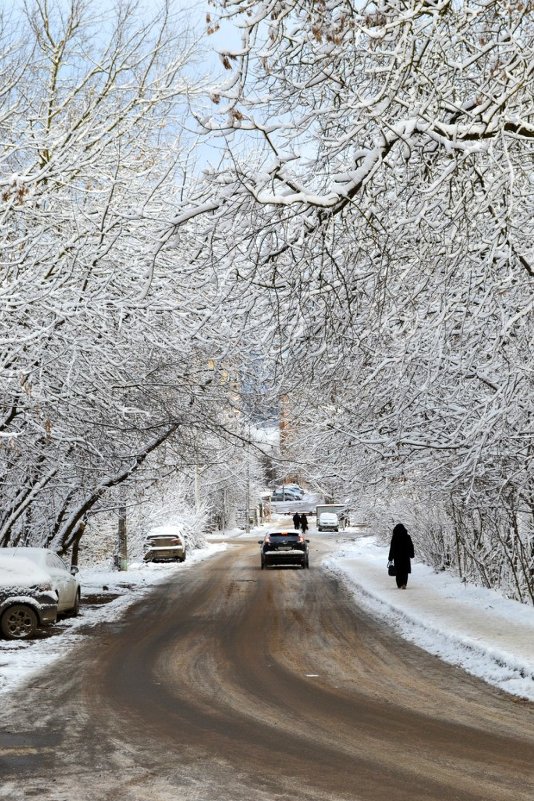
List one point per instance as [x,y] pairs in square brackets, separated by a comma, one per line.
[361,254]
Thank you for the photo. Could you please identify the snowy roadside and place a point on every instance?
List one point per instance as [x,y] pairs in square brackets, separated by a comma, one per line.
[477,629]
[20,659]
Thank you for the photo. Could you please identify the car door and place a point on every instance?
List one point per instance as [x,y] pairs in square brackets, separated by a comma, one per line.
[64,583]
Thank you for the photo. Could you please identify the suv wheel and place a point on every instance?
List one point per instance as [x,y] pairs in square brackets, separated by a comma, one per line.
[18,622]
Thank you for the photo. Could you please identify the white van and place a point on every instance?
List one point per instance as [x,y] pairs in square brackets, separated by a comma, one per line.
[328,521]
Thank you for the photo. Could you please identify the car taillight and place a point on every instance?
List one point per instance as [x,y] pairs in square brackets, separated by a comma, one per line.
[267,540]
[301,538]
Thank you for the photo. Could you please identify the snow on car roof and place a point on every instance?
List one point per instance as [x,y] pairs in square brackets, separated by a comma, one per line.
[19,571]
[35,555]
[170,530]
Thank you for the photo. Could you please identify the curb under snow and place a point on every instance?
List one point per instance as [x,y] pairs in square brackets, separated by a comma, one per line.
[483,659]
[21,659]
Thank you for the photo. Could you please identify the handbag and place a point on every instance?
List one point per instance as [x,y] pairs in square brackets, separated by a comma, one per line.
[392,570]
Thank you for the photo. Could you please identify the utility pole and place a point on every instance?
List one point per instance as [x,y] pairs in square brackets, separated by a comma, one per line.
[247,506]
[121,560]
[197,488]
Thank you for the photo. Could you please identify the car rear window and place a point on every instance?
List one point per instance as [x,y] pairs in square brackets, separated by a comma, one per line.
[284,534]
[161,542]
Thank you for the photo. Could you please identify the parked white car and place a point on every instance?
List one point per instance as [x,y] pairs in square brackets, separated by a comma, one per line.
[27,599]
[62,578]
[165,544]
[328,521]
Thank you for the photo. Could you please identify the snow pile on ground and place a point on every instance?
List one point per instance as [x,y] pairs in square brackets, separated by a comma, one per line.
[20,658]
[489,636]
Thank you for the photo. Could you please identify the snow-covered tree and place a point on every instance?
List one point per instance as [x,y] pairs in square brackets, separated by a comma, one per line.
[105,330]
[376,211]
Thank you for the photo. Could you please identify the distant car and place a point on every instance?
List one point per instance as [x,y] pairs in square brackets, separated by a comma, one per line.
[27,599]
[328,521]
[295,488]
[284,548]
[164,546]
[62,577]
[291,489]
[286,494]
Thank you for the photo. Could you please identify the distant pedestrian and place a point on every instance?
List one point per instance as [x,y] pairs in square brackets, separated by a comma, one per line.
[400,553]
[296,521]
[303,523]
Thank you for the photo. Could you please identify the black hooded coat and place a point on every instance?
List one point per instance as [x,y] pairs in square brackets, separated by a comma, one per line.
[401,550]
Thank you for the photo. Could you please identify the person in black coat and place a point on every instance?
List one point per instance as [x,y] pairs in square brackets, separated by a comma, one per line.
[296,521]
[303,523]
[400,552]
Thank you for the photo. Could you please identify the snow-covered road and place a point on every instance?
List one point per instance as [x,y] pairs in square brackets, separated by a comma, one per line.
[230,682]
[477,629]
[489,636]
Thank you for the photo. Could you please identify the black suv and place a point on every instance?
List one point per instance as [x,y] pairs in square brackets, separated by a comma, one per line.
[284,548]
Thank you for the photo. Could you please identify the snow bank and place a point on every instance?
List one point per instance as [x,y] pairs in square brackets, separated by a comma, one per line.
[20,659]
[489,636]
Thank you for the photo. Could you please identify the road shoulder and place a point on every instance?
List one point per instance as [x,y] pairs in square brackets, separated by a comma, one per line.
[477,629]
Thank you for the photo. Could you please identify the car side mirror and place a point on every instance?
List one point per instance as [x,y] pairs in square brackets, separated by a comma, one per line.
[74,570]
[260,542]
[307,540]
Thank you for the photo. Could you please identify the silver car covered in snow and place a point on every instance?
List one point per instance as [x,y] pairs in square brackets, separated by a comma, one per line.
[27,599]
[165,544]
[61,577]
